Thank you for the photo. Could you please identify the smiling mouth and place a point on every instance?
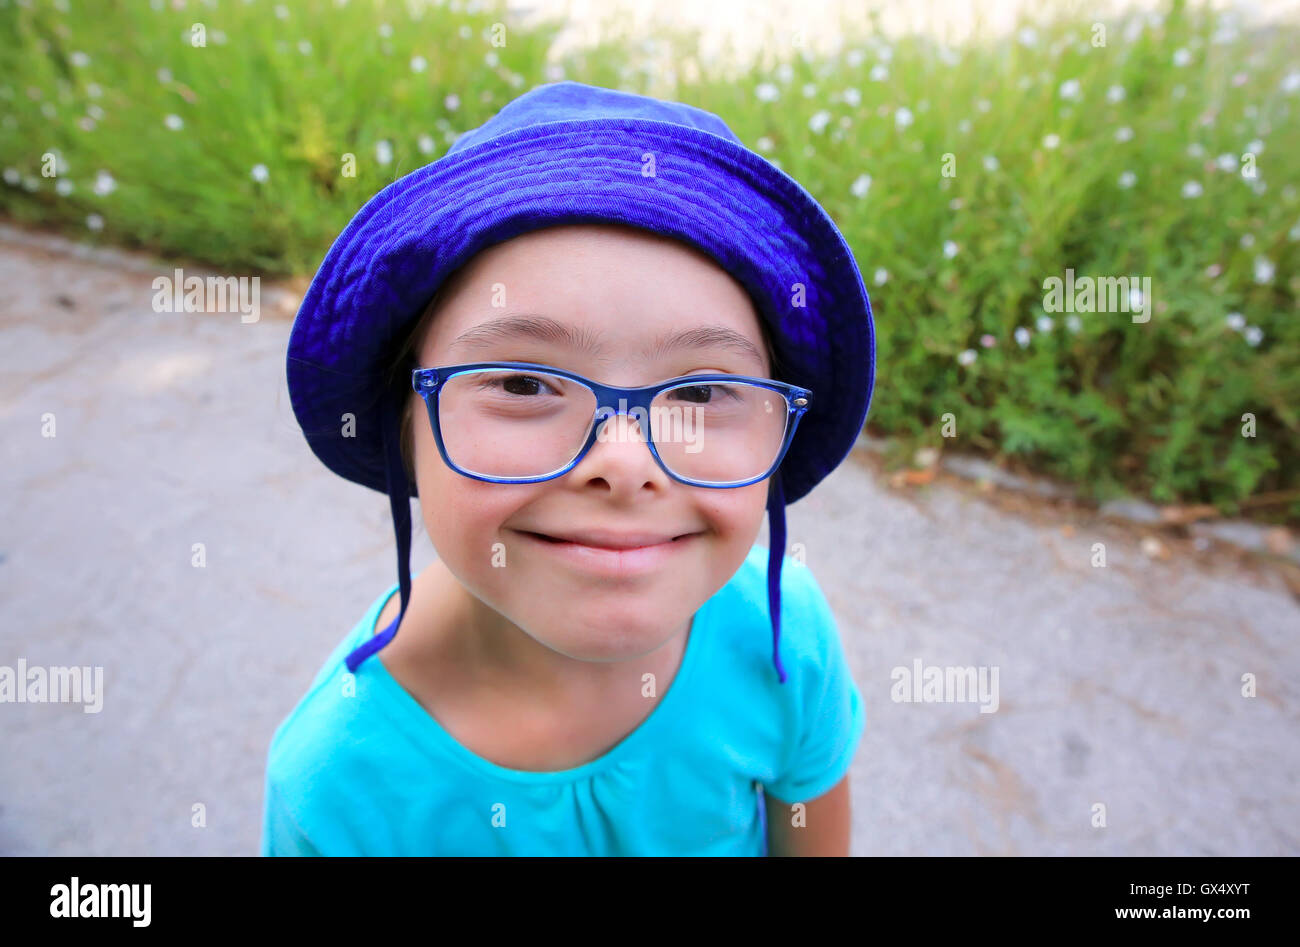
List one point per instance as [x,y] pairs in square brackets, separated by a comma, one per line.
[567,542]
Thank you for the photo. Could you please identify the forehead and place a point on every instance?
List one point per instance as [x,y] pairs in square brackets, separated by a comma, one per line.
[600,294]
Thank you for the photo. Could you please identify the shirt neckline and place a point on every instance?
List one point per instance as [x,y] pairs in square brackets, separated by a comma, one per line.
[425,729]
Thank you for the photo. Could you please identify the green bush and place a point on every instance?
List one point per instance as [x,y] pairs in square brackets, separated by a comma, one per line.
[1009,152]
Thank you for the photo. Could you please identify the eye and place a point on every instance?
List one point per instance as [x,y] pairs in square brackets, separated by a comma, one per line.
[704,394]
[520,385]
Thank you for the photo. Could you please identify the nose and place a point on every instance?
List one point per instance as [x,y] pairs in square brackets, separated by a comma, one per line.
[621,455]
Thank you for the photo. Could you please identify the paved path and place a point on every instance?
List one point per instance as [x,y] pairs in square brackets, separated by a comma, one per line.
[1118,686]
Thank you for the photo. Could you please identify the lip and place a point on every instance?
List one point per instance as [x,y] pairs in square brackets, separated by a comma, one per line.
[613,563]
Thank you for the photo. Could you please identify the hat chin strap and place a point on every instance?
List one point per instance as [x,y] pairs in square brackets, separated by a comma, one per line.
[399,499]
[775,558]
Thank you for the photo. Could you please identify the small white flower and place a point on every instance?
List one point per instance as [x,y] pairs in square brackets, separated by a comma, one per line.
[809,90]
[104,183]
[983,105]
[1123,133]
[1044,323]
[451,102]
[1051,141]
[1226,162]
[852,97]
[1115,94]
[1291,82]
[1247,240]
[967,357]
[819,121]
[1264,270]
[1073,323]
[765,144]
[861,185]
[1255,147]
[785,72]
[63,187]
[1022,337]
[94,91]
[1070,89]
[1254,335]
[1195,150]
[879,72]
[12,176]
[490,59]
[79,59]
[174,122]
[1027,36]
[964,126]
[882,276]
[164,75]
[767,92]
[383,152]
[386,30]
[419,64]
[1182,57]
[1192,189]
[95,112]
[259,173]
[465,32]
[1127,179]
[425,144]
[903,117]
[1212,271]
[281,11]
[95,222]
[304,46]
[950,249]
[1236,321]
[990,163]
[854,59]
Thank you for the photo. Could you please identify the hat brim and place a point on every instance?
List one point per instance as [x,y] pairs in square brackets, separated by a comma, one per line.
[757,223]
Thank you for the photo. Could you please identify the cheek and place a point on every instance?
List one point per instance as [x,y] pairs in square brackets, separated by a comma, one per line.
[734,515]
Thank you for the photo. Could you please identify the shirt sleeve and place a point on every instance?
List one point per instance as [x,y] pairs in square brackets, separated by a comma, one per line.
[831,715]
[280,833]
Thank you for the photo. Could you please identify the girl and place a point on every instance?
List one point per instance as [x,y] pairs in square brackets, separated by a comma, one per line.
[599,339]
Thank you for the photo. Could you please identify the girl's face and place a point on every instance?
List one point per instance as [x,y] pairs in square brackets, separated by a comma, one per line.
[625,291]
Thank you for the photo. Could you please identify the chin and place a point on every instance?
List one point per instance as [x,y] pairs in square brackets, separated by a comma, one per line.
[611,643]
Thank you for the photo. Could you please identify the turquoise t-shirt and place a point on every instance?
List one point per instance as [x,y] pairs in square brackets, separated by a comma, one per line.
[372,773]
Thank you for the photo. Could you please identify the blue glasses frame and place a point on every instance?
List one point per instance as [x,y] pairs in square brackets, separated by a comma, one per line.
[636,402]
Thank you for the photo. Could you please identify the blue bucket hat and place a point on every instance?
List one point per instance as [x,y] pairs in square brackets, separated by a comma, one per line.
[565,153]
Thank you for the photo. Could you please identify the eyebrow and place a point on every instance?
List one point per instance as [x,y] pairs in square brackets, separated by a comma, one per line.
[552,332]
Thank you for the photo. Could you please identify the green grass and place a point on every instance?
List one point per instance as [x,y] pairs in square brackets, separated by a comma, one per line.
[1105,403]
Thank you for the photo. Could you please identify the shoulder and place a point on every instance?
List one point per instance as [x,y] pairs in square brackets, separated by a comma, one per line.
[806,618]
[740,628]
[328,717]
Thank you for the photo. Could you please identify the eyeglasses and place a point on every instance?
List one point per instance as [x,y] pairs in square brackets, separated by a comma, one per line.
[520,422]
